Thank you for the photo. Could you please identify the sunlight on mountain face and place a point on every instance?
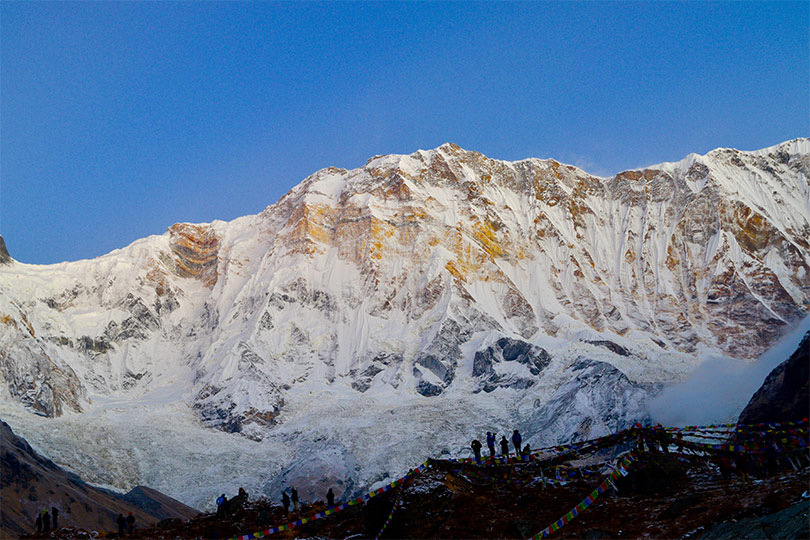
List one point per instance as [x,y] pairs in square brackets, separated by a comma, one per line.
[438,292]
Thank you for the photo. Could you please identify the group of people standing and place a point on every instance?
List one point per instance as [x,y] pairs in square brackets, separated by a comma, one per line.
[286,499]
[226,507]
[523,453]
[128,522]
[43,521]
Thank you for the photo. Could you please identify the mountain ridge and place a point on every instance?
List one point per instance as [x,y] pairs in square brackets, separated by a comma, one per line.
[385,282]
[799,145]
[323,212]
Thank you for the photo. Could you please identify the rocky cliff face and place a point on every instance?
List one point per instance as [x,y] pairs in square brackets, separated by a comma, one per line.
[5,258]
[597,398]
[45,385]
[785,394]
[435,273]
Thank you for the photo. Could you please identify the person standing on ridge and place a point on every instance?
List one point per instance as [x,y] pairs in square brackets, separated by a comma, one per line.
[505,447]
[238,502]
[476,448]
[46,521]
[516,441]
[130,523]
[295,499]
[330,498]
[491,444]
[39,523]
[55,514]
[121,522]
[285,501]
[221,502]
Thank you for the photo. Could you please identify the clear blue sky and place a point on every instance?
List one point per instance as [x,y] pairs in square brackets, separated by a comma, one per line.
[120,119]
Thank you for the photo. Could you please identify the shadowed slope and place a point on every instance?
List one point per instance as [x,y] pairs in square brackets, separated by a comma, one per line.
[31,483]
[785,394]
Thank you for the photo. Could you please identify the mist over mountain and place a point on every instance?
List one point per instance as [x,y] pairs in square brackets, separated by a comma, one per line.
[441,292]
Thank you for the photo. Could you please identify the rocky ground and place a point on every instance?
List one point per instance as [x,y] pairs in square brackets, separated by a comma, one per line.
[663,496]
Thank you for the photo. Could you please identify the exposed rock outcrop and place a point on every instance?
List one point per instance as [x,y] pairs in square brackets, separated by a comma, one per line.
[597,399]
[5,258]
[43,383]
[498,366]
[792,522]
[785,394]
[195,249]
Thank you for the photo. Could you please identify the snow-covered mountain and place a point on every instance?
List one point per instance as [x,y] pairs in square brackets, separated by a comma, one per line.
[426,281]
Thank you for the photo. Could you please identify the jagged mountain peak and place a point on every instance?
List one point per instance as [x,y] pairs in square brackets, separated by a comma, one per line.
[799,146]
[5,258]
[470,176]
[443,176]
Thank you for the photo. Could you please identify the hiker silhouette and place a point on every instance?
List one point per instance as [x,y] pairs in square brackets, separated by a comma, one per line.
[476,448]
[238,501]
[491,444]
[516,441]
[222,502]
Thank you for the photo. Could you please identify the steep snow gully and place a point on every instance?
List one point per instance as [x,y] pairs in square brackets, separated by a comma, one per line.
[401,309]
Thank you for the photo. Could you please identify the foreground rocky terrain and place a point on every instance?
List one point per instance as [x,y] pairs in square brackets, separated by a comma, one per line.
[663,496]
